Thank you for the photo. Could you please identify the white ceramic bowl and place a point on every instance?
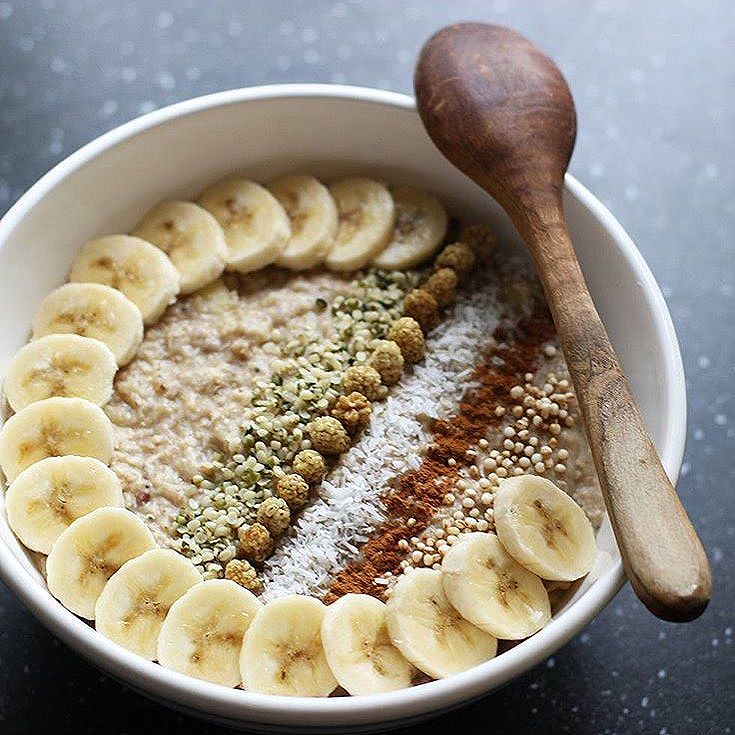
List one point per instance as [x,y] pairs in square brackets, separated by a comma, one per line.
[329,130]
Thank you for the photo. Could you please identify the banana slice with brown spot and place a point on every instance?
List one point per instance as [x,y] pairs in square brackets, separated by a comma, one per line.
[54,427]
[64,365]
[491,590]
[138,596]
[421,224]
[429,632]
[133,266]
[47,497]
[92,310]
[366,217]
[358,648]
[283,652]
[543,529]
[313,216]
[89,552]
[255,224]
[203,631]
[191,237]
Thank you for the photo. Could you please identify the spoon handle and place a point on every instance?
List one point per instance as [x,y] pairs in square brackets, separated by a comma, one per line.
[662,554]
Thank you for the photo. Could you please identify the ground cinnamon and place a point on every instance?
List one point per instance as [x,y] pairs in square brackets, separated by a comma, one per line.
[418,494]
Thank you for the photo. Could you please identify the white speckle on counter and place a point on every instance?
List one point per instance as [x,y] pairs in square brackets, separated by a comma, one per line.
[165,20]
[147,106]
[597,170]
[309,35]
[108,109]
[57,65]
[339,10]
[632,192]
[166,80]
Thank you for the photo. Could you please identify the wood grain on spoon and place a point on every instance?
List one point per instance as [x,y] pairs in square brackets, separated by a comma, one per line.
[500,110]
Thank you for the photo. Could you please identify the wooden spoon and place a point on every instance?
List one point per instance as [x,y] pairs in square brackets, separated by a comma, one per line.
[500,110]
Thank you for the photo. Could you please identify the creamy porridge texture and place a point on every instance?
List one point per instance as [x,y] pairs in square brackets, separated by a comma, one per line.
[294,438]
[184,396]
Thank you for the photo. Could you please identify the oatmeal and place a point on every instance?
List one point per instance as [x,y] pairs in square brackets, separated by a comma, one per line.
[185,395]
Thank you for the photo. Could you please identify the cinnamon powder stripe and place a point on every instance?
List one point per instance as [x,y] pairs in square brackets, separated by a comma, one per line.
[419,493]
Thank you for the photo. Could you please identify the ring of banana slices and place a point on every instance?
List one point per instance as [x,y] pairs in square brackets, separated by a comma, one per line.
[102,563]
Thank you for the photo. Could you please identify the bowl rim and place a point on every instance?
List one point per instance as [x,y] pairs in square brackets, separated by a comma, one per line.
[436,695]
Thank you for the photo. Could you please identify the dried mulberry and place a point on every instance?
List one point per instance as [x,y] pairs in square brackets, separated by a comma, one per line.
[352,411]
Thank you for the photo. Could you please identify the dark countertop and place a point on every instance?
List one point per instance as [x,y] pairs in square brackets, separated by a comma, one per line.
[654,87]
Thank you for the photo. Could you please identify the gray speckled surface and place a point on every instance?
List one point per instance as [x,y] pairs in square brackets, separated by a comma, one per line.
[653,83]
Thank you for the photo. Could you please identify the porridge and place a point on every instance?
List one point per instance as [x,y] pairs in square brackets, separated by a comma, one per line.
[296,438]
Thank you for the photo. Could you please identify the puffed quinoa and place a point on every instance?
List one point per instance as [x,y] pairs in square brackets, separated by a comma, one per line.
[243,572]
[441,285]
[422,306]
[327,435]
[256,542]
[310,465]
[363,379]
[294,490]
[458,256]
[352,411]
[387,360]
[406,333]
[275,515]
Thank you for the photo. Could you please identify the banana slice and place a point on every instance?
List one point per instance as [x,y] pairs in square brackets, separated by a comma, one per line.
[366,218]
[358,649]
[429,632]
[92,310]
[491,590]
[313,216]
[131,265]
[421,223]
[52,428]
[191,237]
[202,633]
[66,365]
[543,529]
[138,596]
[48,496]
[282,652]
[89,552]
[256,225]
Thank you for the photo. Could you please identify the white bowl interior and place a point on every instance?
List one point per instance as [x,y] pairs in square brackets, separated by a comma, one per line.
[263,133]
